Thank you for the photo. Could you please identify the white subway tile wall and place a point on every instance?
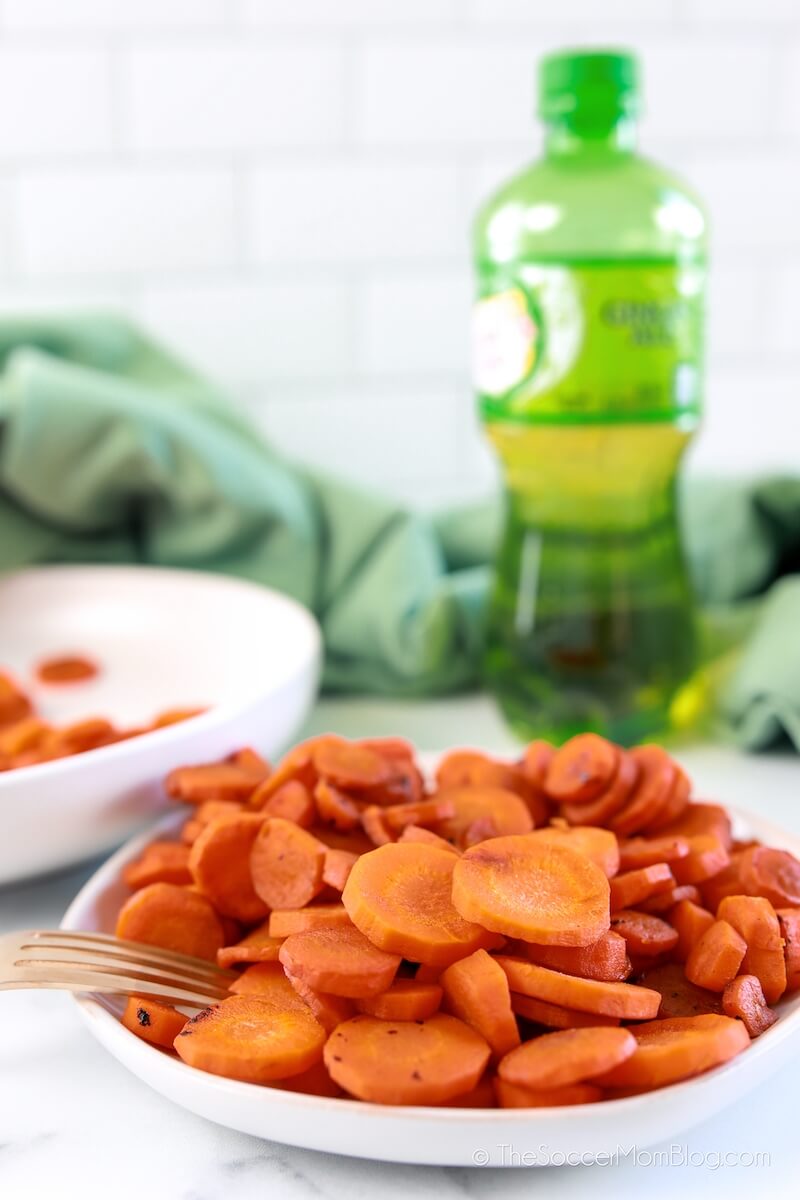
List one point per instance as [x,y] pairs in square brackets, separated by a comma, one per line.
[283,189]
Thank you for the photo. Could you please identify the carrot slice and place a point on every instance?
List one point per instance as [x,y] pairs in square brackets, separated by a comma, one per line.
[355,841]
[581,769]
[161,862]
[566,1057]
[701,818]
[648,852]
[14,704]
[677,1048]
[406,1062]
[676,804]
[536,760]
[72,668]
[259,946]
[606,959]
[399,896]
[508,812]
[532,888]
[679,997]
[744,998]
[727,882]
[247,1038]
[597,844]
[476,991]
[414,833]
[220,864]
[555,1016]
[405,1000]
[173,917]
[690,921]
[329,1010]
[663,902]
[375,826]
[336,807]
[204,814]
[213,781]
[156,1023]
[789,920]
[646,936]
[754,918]
[286,921]
[773,874]
[23,736]
[706,858]
[247,758]
[286,863]
[336,868]
[623,1000]
[510,1095]
[716,958]
[657,775]
[268,981]
[338,960]
[350,765]
[314,1082]
[424,812]
[292,801]
[611,800]
[83,735]
[481,1096]
[631,887]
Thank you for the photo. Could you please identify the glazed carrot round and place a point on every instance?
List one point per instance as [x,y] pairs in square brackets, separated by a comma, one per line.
[204,814]
[472,768]
[679,997]
[536,759]
[507,811]
[555,1016]
[754,919]
[657,775]
[600,810]
[773,874]
[606,959]
[440,807]
[404,1000]
[406,1062]
[414,833]
[314,1082]
[476,991]
[246,1038]
[581,769]
[702,818]
[646,936]
[336,868]
[286,863]
[690,921]
[176,918]
[678,1048]
[292,801]
[639,852]
[743,997]
[789,920]
[156,1023]
[566,1057]
[339,960]
[623,1000]
[335,807]
[597,844]
[161,862]
[676,804]
[268,981]
[67,669]
[211,781]
[715,960]
[632,886]
[328,1009]
[510,1095]
[286,921]
[258,947]
[534,889]
[349,765]
[219,861]
[481,1096]
[399,896]
[706,858]
[662,903]
[355,841]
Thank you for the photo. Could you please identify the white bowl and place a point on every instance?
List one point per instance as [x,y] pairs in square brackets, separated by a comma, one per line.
[437,1136]
[163,639]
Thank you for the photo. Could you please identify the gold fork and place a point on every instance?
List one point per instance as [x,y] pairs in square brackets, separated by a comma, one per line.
[98,962]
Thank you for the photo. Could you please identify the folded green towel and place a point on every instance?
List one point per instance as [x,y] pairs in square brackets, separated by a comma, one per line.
[111,450]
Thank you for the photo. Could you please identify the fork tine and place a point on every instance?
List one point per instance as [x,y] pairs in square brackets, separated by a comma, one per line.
[46,959]
[110,950]
[121,985]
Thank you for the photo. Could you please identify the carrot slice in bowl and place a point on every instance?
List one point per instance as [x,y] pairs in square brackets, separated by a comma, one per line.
[623,1000]
[476,991]
[567,1056]
[339,960]
[678,1048]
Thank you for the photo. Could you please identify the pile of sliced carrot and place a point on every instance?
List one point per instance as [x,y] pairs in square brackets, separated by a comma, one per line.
[565,929]
[27,739]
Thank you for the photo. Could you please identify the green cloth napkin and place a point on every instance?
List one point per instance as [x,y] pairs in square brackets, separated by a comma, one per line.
[112,450]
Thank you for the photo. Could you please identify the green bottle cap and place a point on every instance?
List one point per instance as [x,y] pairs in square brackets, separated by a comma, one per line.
[595,87]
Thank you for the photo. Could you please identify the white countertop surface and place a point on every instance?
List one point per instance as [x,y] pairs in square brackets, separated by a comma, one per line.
[73,1123]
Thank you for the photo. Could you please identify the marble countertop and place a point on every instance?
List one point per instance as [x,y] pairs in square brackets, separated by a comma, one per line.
[75,1124]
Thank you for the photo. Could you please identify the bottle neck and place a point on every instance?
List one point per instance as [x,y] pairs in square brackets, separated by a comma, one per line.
[566,138]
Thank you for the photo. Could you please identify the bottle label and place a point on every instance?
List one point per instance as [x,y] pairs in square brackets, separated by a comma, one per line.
[589,341]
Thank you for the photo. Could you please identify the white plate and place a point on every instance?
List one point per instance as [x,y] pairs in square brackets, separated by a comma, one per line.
[436,1136]
[162,639]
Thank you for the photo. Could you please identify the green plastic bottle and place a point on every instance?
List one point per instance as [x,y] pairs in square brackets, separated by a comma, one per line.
[588,341]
